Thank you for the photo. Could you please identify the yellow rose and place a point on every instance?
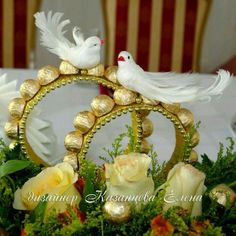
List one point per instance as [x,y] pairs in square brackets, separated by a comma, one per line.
[127,176]
[57,182]
[185,187]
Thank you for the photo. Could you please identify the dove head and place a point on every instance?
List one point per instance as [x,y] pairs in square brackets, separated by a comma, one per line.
[93,44]
[124,58]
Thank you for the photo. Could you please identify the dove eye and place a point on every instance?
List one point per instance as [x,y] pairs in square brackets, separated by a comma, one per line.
[95,44]
[128,57]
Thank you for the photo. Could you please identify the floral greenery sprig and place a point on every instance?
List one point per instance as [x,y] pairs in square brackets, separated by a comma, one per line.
[15,170]
[220,171]
[117,148]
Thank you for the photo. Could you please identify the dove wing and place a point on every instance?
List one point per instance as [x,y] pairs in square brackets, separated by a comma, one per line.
[165,92]
[78,36]
[172,88]
[52,34]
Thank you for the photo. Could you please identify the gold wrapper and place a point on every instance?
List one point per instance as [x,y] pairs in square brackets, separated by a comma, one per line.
[186,117]
[47,74]
[149,101]
[144,113]
[84,121]
[221,192]
[101,105]
[12,129]
[195,139]
[97,70]
[117,212]
[74,141]
[29,88]
[123,96]
[147,127]
[71,158]
[111,74]
[145,146]
[193,156]
[173,108]
[16,108]
[66,68]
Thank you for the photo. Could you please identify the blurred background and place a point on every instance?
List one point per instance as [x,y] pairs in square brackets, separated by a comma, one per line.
[162,35]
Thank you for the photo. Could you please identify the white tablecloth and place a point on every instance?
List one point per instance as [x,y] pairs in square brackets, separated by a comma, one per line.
[63,104]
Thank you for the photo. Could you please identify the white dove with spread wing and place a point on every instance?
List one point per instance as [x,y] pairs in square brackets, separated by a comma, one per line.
[168,87]
[83,54]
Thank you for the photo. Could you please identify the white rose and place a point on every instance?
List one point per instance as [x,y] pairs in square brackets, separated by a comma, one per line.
[185,187]
[128,176]
[57,181]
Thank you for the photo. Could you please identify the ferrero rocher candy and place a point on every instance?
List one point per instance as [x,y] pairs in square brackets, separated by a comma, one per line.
[12,128]
[47,74]
[97,70]
[111,74]
[71,158]
[68,69]
[221,193]
[186,117]
[144,113]
[101,105]
[145,146]
[193,156]
[74,141]
[16,107]
[116,211]
[84,121]
[147,127]
[149,101]
[29,88]
[173,108]
[123,96]
[195,139]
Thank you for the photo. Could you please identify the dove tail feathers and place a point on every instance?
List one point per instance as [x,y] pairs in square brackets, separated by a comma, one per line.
[52,34]
[222,81]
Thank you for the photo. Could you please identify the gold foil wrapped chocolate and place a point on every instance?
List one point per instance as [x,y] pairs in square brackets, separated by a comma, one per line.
[193,157]
[221,193]
[195,139]
[145,146]
[29,88]
[74,141]
[71,158]
[84,121]
[16,108]
[101,105]
[111,74]
[123,96]
[144,113]
[186,117]
[116,211]
[150,101]
[147,127]
[173,108]
[97,70]
[12,129]
[47,74]
[66,68]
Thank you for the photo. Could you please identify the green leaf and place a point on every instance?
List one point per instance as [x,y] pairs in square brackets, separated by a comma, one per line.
[12,166]
[39,212]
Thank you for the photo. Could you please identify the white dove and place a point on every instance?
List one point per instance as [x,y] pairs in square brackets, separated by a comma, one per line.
[84,54]
[168,87]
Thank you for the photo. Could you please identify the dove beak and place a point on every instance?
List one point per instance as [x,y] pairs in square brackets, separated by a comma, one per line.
[102,41]
[121,58]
